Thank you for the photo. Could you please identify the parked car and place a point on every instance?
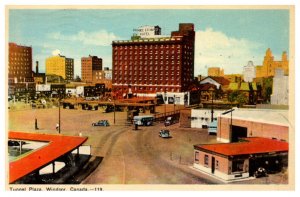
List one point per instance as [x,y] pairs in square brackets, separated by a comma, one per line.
[169,121]
[164,133]
[260,172]
[104,123]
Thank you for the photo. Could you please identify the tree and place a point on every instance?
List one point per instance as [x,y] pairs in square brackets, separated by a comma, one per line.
[77,79]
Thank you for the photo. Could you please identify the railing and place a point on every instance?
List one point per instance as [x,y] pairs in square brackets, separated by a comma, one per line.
[163,116]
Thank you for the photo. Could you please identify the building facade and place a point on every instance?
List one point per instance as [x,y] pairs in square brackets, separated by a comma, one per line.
[269,65]
[237,161]
[253,123]
[280,94]
[19,63]
[89,65]
[103,76]
[215,72]
[154,64]
[249,72]
[61,66]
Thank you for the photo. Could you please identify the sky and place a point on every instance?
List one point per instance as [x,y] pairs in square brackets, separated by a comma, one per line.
[224,38]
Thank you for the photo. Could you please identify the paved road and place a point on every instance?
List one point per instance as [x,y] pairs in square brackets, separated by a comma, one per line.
[129,156]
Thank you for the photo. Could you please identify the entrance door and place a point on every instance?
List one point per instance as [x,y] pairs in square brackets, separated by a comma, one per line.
[212,165]
[238,132]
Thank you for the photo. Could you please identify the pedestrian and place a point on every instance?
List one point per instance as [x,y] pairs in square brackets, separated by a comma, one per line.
[57,126]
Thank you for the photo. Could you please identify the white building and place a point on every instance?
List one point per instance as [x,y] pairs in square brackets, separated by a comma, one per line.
[280,94]
[200,118]
[249,72]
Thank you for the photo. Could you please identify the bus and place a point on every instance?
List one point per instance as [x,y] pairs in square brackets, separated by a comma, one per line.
[146,120]
[212,127]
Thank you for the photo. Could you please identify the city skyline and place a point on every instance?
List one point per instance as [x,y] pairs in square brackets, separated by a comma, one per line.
[224,38]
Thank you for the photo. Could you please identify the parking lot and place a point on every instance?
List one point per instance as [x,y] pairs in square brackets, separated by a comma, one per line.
[129,156]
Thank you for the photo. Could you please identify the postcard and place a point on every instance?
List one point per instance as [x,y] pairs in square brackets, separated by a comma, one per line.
[150,98]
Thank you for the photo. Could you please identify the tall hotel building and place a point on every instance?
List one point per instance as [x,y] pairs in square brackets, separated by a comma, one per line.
[19,63]
[150,64]
[89,67]
[61,66]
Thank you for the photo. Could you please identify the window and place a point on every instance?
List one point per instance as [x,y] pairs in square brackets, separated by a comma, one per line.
[196,157]
[237,165]
[206,159]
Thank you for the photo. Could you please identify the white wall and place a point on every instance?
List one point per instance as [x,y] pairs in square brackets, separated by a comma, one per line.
[200,117]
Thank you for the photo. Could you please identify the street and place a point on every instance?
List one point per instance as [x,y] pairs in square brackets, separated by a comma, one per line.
[128,156]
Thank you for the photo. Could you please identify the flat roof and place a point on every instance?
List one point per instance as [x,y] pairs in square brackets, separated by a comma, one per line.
[255,145]
[269,116]
[58,145]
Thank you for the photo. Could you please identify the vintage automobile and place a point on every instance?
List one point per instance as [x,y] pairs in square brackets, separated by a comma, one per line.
[164,133]
[169,121]
[104,123]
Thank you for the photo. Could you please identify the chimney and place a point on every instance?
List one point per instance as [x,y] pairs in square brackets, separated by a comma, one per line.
[37,67]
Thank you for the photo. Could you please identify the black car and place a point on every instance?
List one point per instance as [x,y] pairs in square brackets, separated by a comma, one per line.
[104,123]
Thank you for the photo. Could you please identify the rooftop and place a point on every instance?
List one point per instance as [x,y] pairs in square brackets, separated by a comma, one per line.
[253,145]
[269,116]
[58,145]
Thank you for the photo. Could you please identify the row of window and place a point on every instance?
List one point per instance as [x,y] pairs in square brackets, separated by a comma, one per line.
[156,89]
[166,46]
[161,52]
[237,165]
[19,68]
[146,67]
[18,54]
[166,57]
[116,63]
[135,73]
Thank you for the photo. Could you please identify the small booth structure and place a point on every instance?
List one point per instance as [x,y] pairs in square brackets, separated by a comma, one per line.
[234,161]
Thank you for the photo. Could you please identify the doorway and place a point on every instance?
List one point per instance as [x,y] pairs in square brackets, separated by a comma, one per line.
[212,165]
[238,132]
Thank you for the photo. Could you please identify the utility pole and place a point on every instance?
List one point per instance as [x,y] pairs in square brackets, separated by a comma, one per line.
[212,107]
[59,116]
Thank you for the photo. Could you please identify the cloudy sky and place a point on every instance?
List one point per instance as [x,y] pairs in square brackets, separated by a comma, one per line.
[224,38]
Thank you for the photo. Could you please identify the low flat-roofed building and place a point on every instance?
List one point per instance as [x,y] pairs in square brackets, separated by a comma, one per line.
[253,123]
[234,161]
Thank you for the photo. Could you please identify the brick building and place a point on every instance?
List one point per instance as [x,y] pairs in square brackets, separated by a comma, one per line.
[159,64]
[237,161]
[253,123]
[89,66]
[19,63]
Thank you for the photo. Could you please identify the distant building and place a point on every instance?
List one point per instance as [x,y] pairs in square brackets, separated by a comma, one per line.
[103,76]
[19,63]
[249,72]
[39,78]
[215,72]
[269,65]
[280,95]
[150,65]
[234,78]
[219,82]
[90,65]
[61,66]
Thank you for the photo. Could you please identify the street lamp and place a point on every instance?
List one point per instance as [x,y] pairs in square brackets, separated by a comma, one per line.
[226,112]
